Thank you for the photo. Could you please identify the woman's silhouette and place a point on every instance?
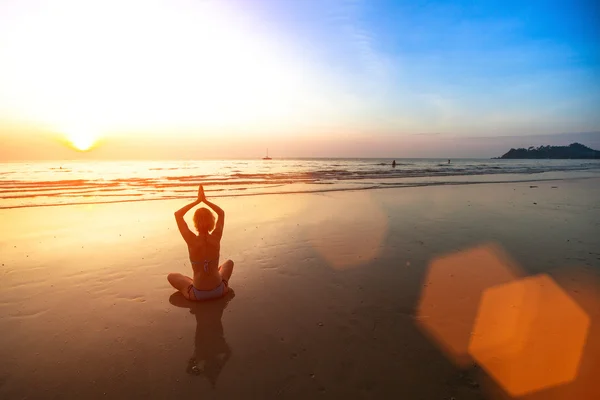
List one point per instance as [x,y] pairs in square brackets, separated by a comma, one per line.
[209,281]
[211,351]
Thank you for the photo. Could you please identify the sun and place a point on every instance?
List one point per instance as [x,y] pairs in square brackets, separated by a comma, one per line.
[82,140]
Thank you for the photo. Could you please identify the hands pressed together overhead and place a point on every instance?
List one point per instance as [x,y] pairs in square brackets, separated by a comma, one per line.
[201,195]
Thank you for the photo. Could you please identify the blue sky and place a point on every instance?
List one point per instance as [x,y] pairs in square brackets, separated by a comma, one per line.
[461,67]
[253,73]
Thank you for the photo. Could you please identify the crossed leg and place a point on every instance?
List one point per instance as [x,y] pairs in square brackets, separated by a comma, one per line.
[181,283]
[226,269]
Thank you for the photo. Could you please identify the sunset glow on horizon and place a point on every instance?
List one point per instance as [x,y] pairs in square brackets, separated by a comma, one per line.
[230,71]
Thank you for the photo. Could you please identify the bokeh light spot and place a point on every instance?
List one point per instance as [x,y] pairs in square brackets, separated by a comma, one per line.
[452,290]
[529,335]
[348,236]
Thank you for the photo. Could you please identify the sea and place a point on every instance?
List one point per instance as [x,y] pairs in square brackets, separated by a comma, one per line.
[43,184]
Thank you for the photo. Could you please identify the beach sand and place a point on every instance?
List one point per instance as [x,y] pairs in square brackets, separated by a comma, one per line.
[329,294]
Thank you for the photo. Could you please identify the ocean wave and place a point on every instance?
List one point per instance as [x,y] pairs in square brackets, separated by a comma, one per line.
[371,186]
[40,184]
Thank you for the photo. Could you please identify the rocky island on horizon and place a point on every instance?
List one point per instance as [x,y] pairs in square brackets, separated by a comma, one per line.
[573,151]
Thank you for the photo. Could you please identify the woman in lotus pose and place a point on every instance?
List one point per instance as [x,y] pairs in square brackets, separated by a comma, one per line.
[209,281]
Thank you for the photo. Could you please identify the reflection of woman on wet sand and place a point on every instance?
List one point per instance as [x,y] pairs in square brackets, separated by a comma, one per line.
[209,281]
[211,351]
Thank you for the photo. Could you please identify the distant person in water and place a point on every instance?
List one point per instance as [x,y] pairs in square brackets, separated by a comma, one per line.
[210,280]
[394,164]
[448,161]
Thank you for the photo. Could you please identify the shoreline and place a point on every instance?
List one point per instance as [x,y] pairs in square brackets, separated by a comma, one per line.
[385,185]
[41,184]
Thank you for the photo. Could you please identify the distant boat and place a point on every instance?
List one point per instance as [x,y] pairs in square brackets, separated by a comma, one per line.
[267,157]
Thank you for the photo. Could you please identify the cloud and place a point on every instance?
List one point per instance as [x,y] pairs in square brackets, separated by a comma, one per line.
[348,14]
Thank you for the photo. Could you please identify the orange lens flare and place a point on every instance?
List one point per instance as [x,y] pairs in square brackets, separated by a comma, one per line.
[348,236]
[534,336]
[529,335]
[452,290]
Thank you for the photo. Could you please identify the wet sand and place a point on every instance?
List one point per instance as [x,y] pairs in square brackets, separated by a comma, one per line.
[326,287]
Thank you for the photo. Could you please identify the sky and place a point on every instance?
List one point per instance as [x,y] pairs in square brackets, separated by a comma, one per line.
[327,78]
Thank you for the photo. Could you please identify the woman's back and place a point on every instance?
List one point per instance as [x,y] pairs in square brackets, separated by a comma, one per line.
[204,255]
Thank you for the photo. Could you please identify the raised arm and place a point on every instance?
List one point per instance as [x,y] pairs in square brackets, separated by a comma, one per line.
[183,228]
[218,231]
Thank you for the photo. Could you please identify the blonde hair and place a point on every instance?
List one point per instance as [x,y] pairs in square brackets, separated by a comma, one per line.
[204,220]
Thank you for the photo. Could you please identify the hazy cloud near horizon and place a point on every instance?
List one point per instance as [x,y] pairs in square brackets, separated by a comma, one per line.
[416,146]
